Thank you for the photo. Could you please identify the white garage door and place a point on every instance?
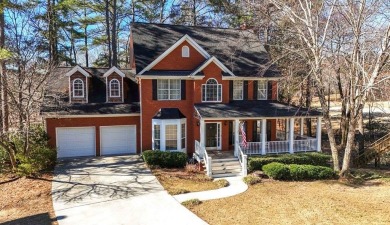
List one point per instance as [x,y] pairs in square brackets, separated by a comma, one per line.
[75,141]
[116,140]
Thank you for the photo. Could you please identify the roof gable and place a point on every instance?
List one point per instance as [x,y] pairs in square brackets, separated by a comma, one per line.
[186,38]
[216,62]
[77,69]
[112,70]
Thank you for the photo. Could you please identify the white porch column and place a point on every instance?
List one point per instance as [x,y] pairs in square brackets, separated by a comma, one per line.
[291,136]
[236,137]
[202,133]
[318,135]
[263,135]
[301,126]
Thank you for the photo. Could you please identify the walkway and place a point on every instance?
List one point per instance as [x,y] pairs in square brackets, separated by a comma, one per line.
[113,190]
[236,186]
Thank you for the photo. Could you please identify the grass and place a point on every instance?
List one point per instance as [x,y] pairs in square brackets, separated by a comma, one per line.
[191,202]
[179,181]
[319,202]
[26,200]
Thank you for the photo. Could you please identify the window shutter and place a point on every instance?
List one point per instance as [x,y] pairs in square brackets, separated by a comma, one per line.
[183,89]
[269,90]
[255,89]
[245,90]
[254,137]
[230,90]
[154,87]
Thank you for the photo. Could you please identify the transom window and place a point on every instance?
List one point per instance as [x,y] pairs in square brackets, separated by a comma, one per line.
[168,90]
[262,90]
[185,51]
[115,88]
[238,89]
[211,91]
[169,134]
[78,88]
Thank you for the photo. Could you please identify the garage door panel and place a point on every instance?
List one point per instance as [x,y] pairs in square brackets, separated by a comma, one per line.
[73,142]
[116,140]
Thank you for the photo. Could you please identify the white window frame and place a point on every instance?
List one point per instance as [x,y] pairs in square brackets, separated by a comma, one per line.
[205,88]
[169,89]
[185,51]
[163,123]
[82,88]
[119,88]
[262,89]
[237,85]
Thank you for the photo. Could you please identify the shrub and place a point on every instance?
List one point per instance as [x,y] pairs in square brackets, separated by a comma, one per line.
[222,183]
[191,203]
[165,159]
[277,171]
[251,180]
[297,172]
[318,159]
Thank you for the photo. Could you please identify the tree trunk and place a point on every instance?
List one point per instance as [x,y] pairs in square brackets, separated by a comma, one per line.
[3,78]
[348,148]
[86,39]
[107,10]
[308,104]
[114,35]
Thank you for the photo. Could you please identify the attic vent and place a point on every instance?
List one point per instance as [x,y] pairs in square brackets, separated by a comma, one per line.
[185,51]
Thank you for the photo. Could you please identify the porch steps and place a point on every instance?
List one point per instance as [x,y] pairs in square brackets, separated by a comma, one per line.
[227,167]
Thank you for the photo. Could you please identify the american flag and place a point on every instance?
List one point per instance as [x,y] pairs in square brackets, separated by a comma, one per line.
[243,135]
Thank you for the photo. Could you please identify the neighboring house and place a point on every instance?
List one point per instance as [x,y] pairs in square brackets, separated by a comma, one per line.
[188,87]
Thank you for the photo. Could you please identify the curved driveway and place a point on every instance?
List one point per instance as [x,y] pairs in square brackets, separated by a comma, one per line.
[112,191]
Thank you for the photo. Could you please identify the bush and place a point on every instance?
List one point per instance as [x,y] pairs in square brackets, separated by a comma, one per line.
[251,180]
[191,203]
[165,159]
[317,159]
[277,171]
[221,183]
[296,172]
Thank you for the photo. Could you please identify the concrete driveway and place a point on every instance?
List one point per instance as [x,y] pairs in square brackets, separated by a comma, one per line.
[112,191]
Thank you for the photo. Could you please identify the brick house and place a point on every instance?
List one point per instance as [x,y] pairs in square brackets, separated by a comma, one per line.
[189,89]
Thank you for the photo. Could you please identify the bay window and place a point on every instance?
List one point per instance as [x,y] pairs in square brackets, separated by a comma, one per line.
[169,134]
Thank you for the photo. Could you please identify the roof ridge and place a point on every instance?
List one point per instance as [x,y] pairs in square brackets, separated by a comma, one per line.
[190,26]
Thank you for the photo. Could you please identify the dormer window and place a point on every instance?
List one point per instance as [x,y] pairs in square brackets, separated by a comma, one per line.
[115,89]
[185,51]
[211,91]
[78,88]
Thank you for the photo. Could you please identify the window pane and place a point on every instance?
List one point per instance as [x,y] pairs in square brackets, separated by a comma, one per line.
[168,89]
[183,135]
[237,90]
[157,137]
[262,90]
[171,137]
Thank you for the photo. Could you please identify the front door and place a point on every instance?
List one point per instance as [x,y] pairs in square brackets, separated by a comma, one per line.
[213,136]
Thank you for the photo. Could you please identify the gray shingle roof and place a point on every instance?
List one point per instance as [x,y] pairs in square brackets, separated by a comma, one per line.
[90,109]
[239,50]
[169,113]
[247,109]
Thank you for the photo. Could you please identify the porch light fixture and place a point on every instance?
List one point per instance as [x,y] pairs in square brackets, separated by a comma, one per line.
[198,123]
[225,123]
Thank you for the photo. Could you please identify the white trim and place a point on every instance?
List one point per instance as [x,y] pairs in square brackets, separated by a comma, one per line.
[100,134]
[123,96]
[119,86]
[217,62]
[83,86]
[251,78]
[173,47]
[185,51]
[219,134]
[56,130]
[90,116]
[163,123]
[256,118]
[77,69]
[153,77]
[112,70]
[107,90]
[140,114]
[169,90]
[86,89]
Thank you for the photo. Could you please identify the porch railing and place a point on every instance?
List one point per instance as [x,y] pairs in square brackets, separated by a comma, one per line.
[201,154]
[277,147]
[243,161]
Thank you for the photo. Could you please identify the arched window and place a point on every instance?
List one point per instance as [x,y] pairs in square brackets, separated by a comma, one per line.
[78,88]
[115,89]
[185,51]
[212,91]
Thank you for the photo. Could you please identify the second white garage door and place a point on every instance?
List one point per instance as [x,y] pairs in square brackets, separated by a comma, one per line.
[117,140]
